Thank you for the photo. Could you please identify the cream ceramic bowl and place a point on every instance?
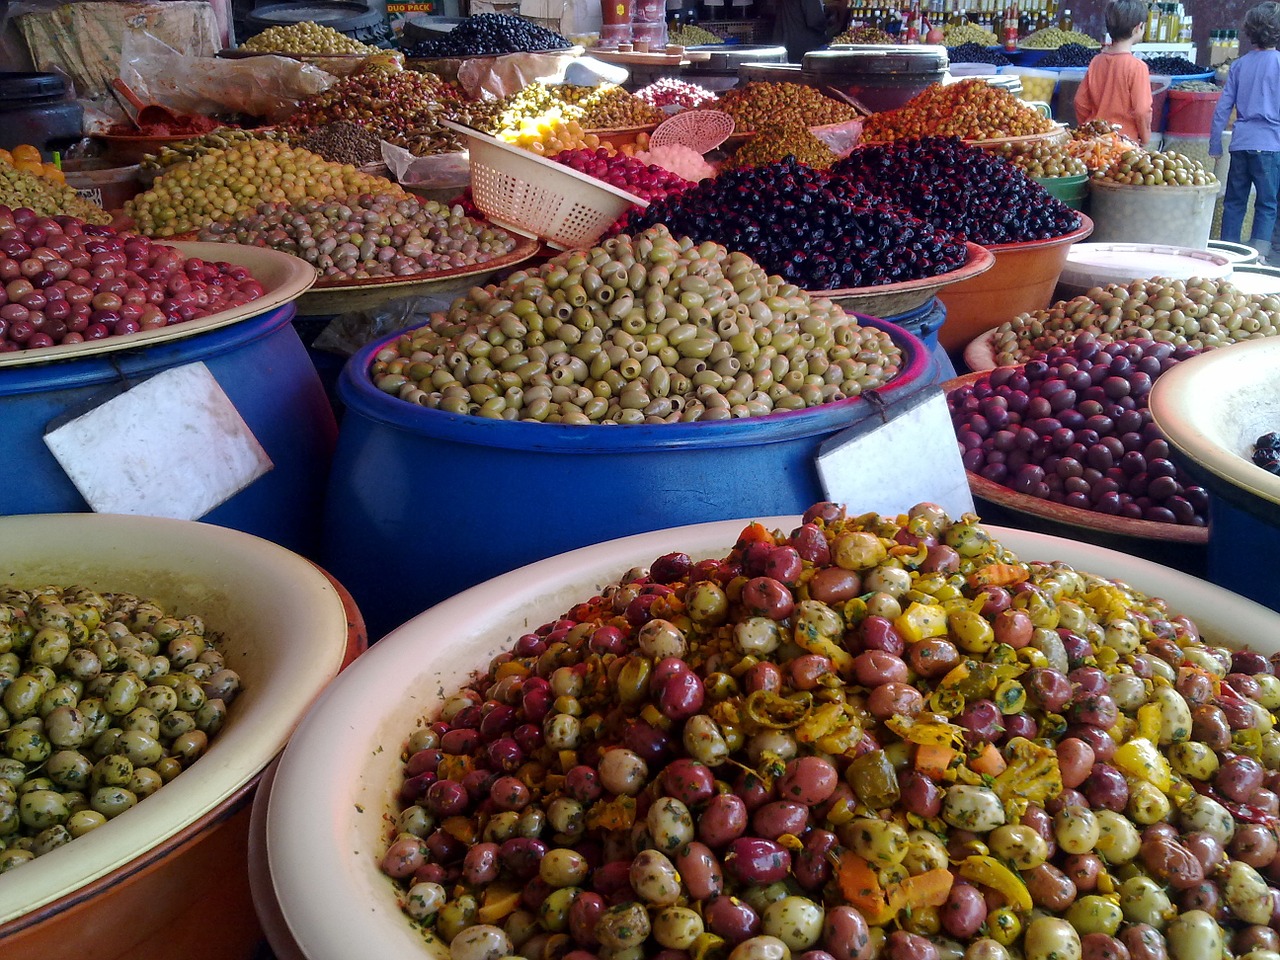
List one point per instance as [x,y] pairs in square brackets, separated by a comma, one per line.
[1212,409]
[336,784]
[169,869]
[1214,406]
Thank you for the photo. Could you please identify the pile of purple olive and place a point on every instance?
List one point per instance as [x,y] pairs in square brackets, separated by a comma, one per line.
[807,227]
[959,189]
[1074,428]
[870,737]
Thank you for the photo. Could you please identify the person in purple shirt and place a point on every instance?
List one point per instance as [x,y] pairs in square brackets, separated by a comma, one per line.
[1253,89]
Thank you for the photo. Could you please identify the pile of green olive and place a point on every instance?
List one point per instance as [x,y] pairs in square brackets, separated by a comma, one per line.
[868,737]
[1201,313]
[104,698]
[1149,168]
[373,235]
[643,329]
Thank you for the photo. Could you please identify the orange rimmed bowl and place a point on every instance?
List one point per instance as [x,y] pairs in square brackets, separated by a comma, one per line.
[169,878]
[1021,280]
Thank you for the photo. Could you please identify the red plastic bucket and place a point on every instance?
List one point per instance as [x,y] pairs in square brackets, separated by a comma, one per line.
[1191,112]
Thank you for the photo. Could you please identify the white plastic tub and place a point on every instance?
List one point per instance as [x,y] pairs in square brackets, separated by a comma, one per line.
[1097,264]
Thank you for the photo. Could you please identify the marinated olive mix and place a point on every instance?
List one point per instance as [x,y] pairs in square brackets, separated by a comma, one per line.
[1073,427]
[224,184]
[777,143]
[21,188]
[104,698]
[816,230]
[1199,313]
[866,737]
[643,329]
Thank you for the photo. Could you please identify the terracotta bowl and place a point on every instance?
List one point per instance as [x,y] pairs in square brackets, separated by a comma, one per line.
[169,878]
[327,815]
[1022,279]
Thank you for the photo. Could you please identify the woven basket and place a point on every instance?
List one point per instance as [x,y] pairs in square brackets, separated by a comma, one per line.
[535,197]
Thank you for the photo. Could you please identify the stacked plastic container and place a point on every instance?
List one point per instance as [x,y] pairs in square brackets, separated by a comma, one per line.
[649,24]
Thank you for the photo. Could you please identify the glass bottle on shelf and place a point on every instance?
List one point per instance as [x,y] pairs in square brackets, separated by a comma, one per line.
[1066,22]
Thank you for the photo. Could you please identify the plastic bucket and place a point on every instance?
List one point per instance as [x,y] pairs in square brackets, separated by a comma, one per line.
[1191,112]
[423,504]
[261,365]
[1254,278]
[1069,80]
[1073,191]
[924,322]
[1177,216]
[1021,280]
[98,182]
[1096,264]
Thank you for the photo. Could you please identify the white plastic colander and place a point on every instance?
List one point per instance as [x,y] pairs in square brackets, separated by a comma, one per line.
[536,197]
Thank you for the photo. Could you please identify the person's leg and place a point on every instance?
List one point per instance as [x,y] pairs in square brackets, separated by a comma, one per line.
[1267,183]
[1236,198]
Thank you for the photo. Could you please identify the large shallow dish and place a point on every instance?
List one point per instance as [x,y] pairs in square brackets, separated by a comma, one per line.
[283,277]
[892,299]
[341,296]
[126,889]
[337,780]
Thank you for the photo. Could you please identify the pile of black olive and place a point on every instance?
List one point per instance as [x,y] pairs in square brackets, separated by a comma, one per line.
[977,53]
[1266,452]
[1172,66]
[490,33]
[1069,55]
[811,229]
[959,189]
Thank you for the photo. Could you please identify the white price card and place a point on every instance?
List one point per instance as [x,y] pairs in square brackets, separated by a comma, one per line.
[172,446]
[903,454]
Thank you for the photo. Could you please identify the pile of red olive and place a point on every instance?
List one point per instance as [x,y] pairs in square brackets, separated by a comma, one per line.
[65,281]
[646,180]
[1074,428]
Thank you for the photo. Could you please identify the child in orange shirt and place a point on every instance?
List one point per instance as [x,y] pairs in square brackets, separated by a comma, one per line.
[1117,86]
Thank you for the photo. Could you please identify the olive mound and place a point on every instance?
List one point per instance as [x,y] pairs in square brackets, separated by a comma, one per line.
[864,737]
[106,698]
